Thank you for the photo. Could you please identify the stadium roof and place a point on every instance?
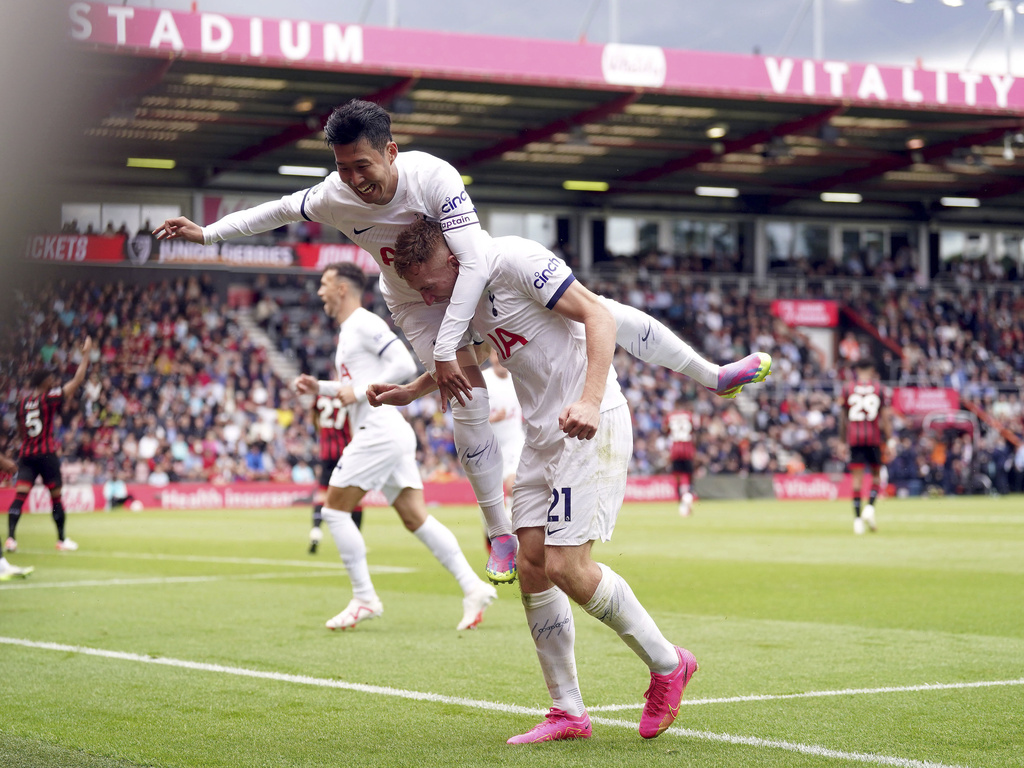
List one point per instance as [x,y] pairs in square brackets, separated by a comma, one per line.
[523,117]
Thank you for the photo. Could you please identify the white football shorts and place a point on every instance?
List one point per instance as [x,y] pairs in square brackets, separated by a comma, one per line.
[420,324]
[379,460]
[575,488]
[511,453]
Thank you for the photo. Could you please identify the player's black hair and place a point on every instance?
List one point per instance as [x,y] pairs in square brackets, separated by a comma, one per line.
[358,119]
[348,271]
[38,377]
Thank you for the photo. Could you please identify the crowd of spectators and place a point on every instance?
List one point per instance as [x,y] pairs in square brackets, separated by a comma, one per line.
[178,392]
[175,391]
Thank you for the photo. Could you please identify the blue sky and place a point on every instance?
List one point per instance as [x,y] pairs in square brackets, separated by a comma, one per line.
[878,31]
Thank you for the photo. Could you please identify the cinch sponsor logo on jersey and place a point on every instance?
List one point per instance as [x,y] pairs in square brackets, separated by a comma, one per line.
[547,273]
[451,203]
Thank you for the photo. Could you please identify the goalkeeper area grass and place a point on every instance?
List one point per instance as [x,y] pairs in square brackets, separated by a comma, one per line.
[180,639]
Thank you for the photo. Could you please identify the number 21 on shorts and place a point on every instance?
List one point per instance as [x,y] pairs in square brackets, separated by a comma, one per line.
[561,498]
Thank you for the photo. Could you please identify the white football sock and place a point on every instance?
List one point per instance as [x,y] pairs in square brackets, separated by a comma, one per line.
[480,456]
[653,342]
[352,548]
[445,547]
[615,605]
[549,615]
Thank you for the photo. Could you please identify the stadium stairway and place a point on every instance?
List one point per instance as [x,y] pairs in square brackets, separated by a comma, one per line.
[855,318]
[283,365]
[984,416]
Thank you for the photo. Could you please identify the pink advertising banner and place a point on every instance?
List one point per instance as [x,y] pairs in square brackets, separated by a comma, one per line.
[657,488]
[89,498]
[918,401]
[812,487]
[815,313]
[352,47]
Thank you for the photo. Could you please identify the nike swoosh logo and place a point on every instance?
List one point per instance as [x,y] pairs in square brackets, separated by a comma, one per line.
[644,337]
[557,530]
[360,231]
[474,455]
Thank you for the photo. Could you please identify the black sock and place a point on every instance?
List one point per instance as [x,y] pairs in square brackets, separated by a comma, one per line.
[856,505]
[58,518]
[13,516]
[318,517]
[873,496]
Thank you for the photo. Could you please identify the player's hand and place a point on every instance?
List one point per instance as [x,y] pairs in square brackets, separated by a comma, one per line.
[451,382]
[347,395]
[388,394]
[580,420]
[305,384]
[179,228]
[87,345]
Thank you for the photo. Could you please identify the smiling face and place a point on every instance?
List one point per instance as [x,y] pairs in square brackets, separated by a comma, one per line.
[331,293]
[435,278]
[367,172]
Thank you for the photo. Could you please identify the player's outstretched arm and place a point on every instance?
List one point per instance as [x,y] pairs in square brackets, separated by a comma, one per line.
[400,394]
[179,228]
[76,381]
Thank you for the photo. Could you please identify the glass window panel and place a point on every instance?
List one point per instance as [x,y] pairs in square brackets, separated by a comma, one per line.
[952,244]
[621,236]
[976,245]
[648,236]
[722,238]
[780,237]
[82,216]
[154,215]
[116,216]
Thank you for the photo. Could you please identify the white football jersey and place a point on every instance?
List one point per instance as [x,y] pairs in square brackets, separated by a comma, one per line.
[428,188]
[362,341]
[501,394]
[545,352]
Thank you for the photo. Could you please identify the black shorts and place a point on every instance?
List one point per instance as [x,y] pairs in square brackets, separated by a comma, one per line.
[682,466]
[326,470]
[865,455]
[46,465]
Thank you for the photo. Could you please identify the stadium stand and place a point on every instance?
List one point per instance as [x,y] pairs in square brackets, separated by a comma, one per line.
[176,392]
[182,393]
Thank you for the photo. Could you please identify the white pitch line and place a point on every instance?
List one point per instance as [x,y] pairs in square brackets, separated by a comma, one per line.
[819,694]
[959,519]
[332,566]
[157,580]
[161,556]
[752,741]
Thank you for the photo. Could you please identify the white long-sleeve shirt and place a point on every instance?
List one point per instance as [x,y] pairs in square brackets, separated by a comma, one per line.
[368,352]
[428,188]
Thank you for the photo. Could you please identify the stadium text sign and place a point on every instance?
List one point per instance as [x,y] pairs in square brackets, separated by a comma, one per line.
[144,250]
[352,47]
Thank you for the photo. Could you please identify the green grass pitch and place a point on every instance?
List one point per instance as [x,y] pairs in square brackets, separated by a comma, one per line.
[181,639]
